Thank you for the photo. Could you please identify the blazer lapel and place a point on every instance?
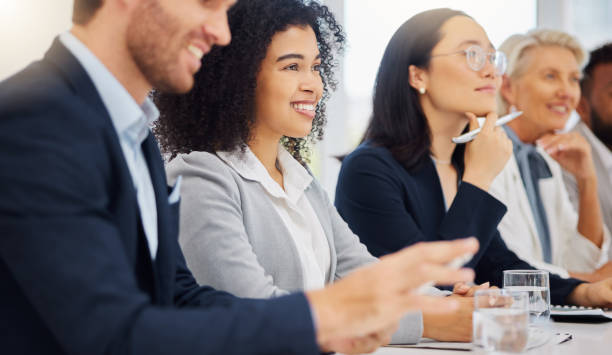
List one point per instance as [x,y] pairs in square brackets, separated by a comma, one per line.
[82,85]
[77,77]
[165,229]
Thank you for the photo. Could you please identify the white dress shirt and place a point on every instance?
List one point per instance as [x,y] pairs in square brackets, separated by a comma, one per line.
[132,122]
[293,207]
[571,251]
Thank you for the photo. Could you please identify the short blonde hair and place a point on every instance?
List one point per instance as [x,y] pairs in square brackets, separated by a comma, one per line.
[515,46]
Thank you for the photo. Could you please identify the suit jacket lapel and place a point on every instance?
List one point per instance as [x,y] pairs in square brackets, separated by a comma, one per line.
[165,230]
[77,77]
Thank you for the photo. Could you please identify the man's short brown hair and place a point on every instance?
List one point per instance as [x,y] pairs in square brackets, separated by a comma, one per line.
[84,10]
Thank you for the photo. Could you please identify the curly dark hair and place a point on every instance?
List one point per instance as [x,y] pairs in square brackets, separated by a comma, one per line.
[218,113]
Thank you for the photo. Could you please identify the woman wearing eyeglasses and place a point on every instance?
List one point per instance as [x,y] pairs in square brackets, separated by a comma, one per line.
[541,226]
[408,182]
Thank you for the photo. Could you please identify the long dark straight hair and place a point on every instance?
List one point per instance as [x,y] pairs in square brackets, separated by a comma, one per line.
[398,122]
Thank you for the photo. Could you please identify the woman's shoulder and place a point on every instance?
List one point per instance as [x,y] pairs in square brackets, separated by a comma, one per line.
[369,154]
[372,159]
[198,163]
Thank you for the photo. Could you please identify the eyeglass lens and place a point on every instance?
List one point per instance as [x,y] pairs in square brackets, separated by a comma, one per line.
[476,58]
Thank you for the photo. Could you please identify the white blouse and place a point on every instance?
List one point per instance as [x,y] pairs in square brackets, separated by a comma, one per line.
[293,207]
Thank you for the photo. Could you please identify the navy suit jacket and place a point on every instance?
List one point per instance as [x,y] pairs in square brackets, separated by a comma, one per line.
[390,208]
[76,274]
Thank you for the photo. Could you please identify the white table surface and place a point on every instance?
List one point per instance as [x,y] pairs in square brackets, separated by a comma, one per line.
[588,339]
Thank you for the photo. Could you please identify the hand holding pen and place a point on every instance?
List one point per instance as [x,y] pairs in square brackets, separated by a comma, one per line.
[487,154]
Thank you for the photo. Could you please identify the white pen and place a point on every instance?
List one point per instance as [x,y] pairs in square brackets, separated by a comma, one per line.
[464,138]
[455,264]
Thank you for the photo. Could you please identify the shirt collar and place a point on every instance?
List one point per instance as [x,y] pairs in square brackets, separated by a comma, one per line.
[295,177]
[516,141]
[130,119]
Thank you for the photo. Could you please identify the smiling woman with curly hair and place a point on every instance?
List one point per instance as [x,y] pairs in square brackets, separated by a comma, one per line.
[254,221]
[218,114]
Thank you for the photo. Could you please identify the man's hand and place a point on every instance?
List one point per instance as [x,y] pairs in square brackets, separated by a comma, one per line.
[455,326]
[598,294]
[375,297]
[602,273]
[463,289]
[361,345]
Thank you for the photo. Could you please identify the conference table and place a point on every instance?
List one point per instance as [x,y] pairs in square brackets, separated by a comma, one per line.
[587,339]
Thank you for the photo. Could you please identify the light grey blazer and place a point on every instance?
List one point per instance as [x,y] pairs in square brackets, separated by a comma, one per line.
[234,240]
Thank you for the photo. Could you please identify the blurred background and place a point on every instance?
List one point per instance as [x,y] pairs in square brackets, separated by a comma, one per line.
[27,28]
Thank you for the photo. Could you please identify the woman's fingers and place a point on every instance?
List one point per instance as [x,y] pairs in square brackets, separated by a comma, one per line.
[461,288]
[473,121]
[552,143]
[489,124]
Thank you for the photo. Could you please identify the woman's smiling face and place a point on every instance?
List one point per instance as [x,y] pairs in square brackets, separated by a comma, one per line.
[548,89]
[289,85]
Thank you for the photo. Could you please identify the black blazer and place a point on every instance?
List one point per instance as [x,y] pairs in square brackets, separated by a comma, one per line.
[390,208]
[75,272]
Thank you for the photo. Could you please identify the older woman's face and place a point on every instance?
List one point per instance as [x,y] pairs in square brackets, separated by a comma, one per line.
[452,85]
[547,91]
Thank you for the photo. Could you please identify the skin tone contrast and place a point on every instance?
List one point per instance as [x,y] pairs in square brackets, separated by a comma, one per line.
[158,44]
[149,44]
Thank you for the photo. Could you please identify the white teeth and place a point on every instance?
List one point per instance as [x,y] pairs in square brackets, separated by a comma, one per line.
[306,107]
[197,52]
[560,109]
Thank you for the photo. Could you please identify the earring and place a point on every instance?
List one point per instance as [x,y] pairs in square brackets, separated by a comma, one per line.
[512,108]
[422,91]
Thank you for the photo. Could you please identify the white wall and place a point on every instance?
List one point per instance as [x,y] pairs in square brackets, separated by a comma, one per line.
[27,28]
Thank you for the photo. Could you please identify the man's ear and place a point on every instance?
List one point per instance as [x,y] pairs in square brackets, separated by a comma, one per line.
[584,110]
[417,78]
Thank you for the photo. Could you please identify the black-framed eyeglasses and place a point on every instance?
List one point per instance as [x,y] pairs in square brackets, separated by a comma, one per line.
[476,58]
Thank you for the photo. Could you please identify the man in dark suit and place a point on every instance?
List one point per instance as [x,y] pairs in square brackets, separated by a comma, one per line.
[89,259]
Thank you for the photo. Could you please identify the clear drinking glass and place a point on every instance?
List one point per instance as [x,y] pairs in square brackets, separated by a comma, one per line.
[536,284]
[501,320]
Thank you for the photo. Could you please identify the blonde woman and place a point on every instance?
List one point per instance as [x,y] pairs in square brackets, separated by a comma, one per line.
[543,81]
